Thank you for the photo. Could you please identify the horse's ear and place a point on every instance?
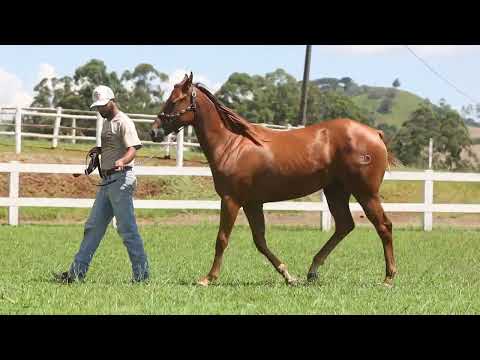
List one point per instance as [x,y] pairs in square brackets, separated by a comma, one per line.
[184,80]
[188,82]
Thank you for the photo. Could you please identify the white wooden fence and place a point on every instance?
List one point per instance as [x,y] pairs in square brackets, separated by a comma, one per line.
[13,201]
[58,114]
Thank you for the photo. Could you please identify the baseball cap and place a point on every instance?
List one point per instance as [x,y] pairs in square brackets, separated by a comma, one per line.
[102,95]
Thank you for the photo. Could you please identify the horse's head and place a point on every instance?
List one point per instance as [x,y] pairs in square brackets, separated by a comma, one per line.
[179,110]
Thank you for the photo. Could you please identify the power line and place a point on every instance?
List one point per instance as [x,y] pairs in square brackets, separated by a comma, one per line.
[440,76]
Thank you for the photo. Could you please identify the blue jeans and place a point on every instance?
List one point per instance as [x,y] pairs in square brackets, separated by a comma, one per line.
[115,199]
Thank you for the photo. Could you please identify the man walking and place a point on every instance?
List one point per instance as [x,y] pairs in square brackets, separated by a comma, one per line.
[120,143]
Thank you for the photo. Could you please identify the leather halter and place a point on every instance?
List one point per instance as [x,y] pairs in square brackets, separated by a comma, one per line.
[168,118]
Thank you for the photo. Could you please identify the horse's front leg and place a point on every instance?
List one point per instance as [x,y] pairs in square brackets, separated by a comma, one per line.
[228,215]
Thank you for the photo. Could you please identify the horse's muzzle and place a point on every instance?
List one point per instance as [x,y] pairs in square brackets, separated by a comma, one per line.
[157,134]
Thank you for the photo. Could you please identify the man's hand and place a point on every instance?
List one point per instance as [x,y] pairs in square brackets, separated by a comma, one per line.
[119,164]
[96,149]
[126,159]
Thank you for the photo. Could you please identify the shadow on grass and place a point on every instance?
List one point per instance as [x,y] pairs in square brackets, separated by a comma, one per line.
[248,283]
[49,278]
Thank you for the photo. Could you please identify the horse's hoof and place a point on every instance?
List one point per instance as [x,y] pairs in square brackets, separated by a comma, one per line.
[312,277]
[203,282]
[388,282]
[292,281]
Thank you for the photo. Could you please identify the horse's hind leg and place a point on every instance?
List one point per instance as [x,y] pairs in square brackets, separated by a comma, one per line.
[337,199]
[256,219]
[373,209]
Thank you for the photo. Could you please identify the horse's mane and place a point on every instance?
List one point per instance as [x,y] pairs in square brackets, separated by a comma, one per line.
[232,121]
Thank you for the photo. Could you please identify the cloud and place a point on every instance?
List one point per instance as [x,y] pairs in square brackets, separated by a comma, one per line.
[46,71]
[177,76]
[443,50]
[12,92]
[422,50]
[362,49]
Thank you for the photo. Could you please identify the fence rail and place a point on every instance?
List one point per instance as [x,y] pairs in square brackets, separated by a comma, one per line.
[13,201]
[58,114]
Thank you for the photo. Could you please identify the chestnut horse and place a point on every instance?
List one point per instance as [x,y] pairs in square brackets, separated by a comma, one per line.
[252,165]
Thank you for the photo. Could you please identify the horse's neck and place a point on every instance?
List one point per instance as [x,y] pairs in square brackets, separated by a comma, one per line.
[211,132]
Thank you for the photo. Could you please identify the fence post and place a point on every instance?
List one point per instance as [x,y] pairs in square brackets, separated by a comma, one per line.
[189,133]
[56,127]
[430,153]
[99,129]
[13,194]
[18,131]
[326,216]
[167,149]
[428,201]
[74,130]
[180,148]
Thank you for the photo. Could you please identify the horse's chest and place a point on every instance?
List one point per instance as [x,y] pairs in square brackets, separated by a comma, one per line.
[232,182]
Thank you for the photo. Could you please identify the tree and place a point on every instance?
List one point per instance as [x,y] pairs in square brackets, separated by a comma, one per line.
[327,84]
[450,138]
[385,106]
[275,99]
[471,115]
[142,93]
[350,88]
[396,83]
[92,74]
[65,94]
[346,81]
[138,91]
[414,135]
[389,130]
[327,105]
[247,95]
[43,94]
[284,96]
[143,87]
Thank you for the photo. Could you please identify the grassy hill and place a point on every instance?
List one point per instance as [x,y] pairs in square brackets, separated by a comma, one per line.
[370,98]
[404,103]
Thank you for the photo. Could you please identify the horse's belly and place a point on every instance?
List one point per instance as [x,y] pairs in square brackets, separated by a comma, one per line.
[287,188]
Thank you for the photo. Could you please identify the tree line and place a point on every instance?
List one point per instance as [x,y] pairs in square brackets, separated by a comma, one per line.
[274,98]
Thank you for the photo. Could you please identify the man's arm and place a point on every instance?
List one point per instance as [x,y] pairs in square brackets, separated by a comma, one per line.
[129,156]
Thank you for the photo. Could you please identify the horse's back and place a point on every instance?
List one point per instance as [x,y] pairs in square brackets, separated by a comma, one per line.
[349,151]
[295,163]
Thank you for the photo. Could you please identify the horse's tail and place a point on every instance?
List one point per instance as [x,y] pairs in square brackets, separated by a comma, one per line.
[391,159]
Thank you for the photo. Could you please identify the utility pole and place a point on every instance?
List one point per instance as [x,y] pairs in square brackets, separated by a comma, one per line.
[306,72]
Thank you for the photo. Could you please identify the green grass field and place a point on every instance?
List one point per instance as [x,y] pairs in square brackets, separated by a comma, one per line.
[439,273]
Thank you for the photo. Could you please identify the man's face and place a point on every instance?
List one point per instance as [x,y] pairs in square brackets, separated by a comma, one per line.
[106,109]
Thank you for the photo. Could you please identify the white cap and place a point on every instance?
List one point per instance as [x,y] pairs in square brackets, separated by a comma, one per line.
[101,96]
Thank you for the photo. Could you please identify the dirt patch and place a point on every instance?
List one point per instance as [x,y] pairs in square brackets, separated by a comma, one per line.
[78,157]
[474,132]
[83,187]
[399,220]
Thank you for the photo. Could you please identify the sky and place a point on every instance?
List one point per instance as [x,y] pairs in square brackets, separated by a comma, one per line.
[23,66]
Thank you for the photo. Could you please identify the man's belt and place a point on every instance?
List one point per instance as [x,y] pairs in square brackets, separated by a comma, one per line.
[113,171]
